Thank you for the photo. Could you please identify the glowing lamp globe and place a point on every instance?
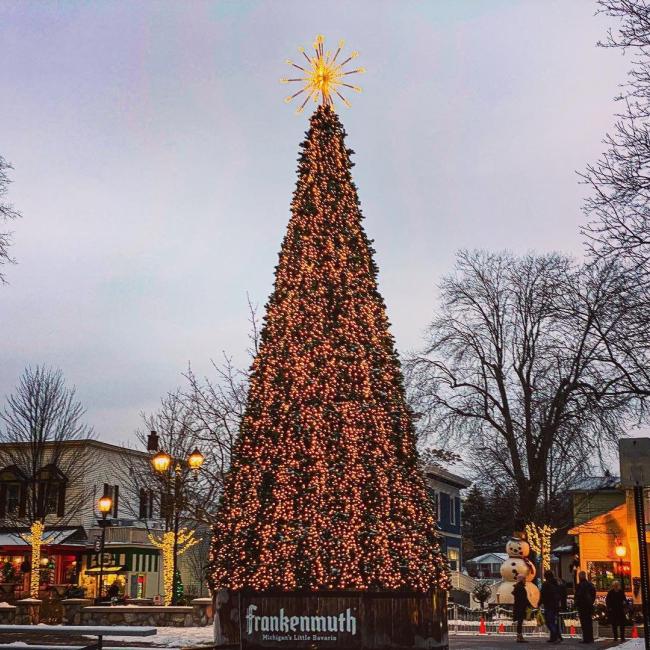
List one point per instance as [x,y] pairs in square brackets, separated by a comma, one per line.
[105,504]
[620,551]
[161,461]
[195,460]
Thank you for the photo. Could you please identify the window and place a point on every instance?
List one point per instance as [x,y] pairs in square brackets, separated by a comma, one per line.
[12,498]
[602,574]
[52,492]
[453,556]
[435,502]
[146,504]
[113,491]
[166,505]
[12,492]
[452,510]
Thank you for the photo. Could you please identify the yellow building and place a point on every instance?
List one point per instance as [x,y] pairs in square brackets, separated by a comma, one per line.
[609,549]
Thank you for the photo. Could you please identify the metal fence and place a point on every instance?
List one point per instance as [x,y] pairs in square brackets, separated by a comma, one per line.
[498,620]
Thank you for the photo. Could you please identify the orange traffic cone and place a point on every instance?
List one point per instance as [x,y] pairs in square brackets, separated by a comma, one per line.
[572,630]
[502,628]
[481,627]
[635,632]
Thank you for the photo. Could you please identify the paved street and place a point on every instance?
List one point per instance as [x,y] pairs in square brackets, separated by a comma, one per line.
[496,643]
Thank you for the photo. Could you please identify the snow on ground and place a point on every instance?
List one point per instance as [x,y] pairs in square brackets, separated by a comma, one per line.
[170,637]
[167,637]
[632,644]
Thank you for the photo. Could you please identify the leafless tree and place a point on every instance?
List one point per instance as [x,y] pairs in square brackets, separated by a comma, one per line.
[618,207]
[198,562]
[217,406]
[7,213]
[513,372]
[205,414]
[177,497]
[42,456]
[190,497]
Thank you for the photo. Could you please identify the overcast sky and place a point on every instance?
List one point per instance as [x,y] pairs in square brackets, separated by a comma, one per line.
[155,160]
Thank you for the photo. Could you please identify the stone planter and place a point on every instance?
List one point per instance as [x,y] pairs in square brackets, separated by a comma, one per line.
[72,608]
[202,611]
[7,614]
[172,616]
[7,591]
[28,611]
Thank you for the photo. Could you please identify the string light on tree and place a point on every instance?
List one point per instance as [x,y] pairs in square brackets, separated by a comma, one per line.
[324,490]
[36,539]
[539,538]
[324,76]
[165,543]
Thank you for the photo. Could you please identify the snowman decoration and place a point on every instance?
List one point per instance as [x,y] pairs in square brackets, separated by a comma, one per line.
[517,564]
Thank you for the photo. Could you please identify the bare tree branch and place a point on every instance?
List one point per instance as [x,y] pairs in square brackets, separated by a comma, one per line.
[515,372]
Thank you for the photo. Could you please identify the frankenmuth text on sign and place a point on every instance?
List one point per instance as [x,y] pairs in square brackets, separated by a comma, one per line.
[300,622]
[299,628]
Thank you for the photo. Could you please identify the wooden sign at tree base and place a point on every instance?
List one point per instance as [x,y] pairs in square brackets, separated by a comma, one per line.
[341,620]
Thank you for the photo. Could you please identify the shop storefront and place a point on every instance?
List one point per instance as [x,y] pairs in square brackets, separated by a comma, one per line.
[609,551]
[132,572]
[59,568]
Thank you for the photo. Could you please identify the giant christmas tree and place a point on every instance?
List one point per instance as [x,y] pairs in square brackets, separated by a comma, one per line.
[324,491]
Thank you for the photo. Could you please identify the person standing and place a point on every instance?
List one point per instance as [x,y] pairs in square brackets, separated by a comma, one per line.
[575,570]
[585,597]
[616,605]
[551,600]
[564,594]
[520,606]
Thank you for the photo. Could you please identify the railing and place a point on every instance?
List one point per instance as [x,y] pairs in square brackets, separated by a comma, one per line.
[498,620]
[462,581]
[123,535]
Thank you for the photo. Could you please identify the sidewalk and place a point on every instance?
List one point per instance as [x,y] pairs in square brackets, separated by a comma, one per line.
[499,642]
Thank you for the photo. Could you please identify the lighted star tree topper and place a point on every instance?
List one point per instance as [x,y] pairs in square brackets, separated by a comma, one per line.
[324,76]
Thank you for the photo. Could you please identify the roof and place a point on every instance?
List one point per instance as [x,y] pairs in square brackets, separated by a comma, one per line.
[445,476]
[488,558]
[66,536]
[599,523]
[561,550]
[593,483]
[85,442]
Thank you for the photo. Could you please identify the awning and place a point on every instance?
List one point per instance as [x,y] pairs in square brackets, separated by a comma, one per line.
[51,538]
[107,569]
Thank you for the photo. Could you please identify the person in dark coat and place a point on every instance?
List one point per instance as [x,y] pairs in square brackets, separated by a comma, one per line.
[616,604]
[113,591]
[550,594]
[585,597]
[564,595]
[575,570]
[520,606]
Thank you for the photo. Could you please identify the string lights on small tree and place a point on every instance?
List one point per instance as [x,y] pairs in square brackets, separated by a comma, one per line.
[539,538]
[324,490]
[184,541]
[36,539]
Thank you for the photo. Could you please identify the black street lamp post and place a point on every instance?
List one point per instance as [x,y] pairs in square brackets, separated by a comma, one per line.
[104,505]
[621,551]
[170,468]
